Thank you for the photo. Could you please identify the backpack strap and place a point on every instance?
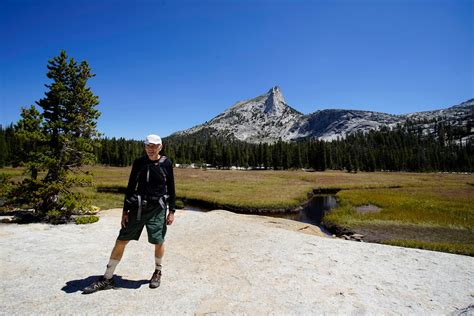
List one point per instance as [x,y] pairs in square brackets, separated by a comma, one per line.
[137,177]
[160,163]
[160,168]
[163,173]
[147,166]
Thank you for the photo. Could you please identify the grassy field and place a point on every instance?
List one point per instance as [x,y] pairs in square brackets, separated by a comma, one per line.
[424,210]
[437,217]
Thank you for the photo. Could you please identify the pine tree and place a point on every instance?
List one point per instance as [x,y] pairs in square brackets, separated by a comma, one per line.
[59,140]
[3,148]
[31,141]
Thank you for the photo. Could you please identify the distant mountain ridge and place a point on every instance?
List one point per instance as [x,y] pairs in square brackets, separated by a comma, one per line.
[268,118]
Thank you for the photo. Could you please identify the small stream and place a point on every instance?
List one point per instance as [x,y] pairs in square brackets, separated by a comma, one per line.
[313,213]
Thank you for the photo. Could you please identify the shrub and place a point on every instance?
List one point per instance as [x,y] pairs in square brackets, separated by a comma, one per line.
[179,204]
[86,219]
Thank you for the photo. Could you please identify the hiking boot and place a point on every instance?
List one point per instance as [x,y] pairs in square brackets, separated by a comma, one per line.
[99,285]
[155,279]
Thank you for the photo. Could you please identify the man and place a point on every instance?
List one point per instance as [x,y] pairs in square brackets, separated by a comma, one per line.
[150,186]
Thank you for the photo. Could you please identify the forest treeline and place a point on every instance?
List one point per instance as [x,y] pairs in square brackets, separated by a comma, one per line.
[405,148]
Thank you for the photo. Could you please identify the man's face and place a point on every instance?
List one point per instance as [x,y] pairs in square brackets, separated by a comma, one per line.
[152,150]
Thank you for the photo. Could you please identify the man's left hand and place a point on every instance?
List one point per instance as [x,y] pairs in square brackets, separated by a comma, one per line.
[170,218]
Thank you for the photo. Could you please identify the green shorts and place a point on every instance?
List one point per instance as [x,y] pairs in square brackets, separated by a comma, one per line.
[154,219]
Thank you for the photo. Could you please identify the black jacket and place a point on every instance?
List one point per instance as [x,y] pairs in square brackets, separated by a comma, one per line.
[149,180]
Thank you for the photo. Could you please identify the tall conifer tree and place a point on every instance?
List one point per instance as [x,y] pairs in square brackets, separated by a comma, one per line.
[59,140]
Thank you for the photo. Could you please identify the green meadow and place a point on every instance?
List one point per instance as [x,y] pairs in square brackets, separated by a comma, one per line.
[423,210]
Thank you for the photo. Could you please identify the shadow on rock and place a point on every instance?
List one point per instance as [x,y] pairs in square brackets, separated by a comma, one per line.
[129,284]
[78,285]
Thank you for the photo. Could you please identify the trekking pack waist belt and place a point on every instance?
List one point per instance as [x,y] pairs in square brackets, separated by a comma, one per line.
[142,201]
[152,198]
[139,212]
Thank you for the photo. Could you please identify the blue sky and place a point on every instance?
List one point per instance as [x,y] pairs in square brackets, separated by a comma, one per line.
[164,66]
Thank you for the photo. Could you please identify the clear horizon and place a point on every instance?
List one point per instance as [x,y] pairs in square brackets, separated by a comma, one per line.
[165,66]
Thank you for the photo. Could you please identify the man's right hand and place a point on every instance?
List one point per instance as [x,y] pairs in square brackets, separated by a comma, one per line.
[124,218]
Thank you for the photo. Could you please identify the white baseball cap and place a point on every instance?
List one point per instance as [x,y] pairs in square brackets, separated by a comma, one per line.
[153,139]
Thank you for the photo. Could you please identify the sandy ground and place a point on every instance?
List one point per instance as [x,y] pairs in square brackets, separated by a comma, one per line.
[223,263]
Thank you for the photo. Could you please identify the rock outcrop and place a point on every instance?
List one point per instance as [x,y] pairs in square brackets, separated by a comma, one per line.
[224,263]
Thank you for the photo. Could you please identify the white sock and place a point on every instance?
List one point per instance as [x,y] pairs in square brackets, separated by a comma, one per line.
[158,263]
[109,272]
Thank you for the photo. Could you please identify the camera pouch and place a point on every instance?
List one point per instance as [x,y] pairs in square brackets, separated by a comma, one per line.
[135,203]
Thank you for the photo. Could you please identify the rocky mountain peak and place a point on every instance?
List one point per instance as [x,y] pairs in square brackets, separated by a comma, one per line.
[275,102]
[268,118]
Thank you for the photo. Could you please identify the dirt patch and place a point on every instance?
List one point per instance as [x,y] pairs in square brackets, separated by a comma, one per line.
[369,208]
[379,233]
[285,224]
[207,206]
[326,190]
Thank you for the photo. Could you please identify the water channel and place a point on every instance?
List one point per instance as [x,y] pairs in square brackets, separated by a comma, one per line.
[313,213]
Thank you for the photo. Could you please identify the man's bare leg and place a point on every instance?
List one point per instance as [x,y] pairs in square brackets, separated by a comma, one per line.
[159,253]
[107,282]
[118,250]
[159,250]
[115,257]
[156,277]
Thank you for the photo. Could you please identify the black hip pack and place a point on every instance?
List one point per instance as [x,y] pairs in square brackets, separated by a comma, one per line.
[136,203]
